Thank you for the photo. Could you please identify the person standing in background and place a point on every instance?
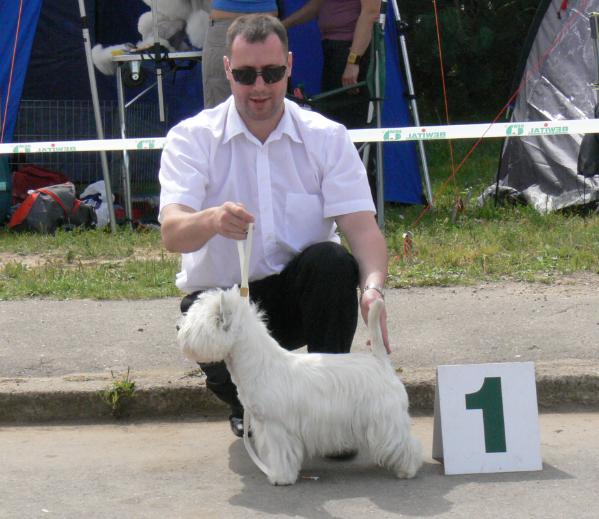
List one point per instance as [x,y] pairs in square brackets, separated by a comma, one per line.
[346,32]
[215,84]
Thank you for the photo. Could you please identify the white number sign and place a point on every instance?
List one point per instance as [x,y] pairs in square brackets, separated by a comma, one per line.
[486,418]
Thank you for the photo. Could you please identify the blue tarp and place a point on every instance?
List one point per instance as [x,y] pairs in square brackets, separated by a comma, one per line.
[57,70]
[402,177]
[19,20]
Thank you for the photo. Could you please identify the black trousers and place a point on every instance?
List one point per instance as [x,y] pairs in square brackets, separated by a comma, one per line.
[312,302]
[351,110]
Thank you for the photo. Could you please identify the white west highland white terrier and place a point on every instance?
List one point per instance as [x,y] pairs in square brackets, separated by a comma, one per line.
[304,403]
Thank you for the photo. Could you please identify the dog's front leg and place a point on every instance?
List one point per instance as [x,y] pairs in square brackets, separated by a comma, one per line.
[282,453]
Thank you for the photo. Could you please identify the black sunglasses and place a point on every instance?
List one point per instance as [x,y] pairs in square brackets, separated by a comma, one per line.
[248,76]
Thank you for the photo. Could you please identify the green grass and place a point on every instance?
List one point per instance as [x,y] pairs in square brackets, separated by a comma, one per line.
[515,244]
[486,243]
[86,264]
[119,394]
[479,244]
[84,244]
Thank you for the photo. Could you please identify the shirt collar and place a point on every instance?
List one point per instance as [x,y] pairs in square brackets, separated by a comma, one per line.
[234,125]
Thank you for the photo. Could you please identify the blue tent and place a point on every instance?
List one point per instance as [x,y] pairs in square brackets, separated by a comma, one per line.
[54,67]
[19,21]
[16,38]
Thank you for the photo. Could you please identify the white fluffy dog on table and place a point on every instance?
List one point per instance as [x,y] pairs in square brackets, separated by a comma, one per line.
[302,404]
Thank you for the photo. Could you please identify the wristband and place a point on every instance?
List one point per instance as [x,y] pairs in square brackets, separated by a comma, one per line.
[373,287]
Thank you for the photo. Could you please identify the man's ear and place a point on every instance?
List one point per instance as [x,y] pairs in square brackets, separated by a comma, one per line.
[289,63]
[227,66]
[226,316]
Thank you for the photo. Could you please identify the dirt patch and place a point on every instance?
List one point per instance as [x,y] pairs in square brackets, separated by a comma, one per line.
[55,258]
[27,260]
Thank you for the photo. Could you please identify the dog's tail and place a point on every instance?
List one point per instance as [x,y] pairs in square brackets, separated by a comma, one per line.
[374,329]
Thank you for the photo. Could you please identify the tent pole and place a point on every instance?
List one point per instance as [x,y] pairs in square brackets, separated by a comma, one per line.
[380,176]
[410,84]
[157,59]
[594,21]
[123,125]
[96,103]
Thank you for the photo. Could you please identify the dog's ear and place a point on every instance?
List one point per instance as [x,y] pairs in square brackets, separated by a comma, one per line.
[226,316]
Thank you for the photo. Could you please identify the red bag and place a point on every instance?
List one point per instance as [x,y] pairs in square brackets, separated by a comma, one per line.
[30,177]
[51,207]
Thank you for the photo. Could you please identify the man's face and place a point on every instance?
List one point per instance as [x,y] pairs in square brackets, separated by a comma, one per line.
[260,103]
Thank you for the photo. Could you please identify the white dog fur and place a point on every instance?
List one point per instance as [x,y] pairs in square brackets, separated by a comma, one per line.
[304,404]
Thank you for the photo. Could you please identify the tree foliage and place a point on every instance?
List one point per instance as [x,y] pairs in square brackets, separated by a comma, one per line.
[481,44]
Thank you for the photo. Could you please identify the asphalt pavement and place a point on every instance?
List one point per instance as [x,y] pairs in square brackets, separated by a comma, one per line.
[58,357]
[63,453]
[196,469]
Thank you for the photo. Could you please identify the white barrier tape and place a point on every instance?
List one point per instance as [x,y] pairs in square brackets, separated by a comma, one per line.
[95,145]
[476,131]
[410,133]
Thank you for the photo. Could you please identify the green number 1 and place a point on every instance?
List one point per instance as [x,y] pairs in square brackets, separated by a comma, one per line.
[488,398]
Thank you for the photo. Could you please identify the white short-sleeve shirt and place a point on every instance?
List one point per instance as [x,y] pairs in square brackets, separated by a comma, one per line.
[306,173]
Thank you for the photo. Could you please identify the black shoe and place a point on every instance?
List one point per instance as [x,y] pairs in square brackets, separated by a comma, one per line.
[236,423]
[343,455]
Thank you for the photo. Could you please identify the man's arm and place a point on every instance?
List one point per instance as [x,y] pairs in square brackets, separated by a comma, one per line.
[369,14]
[368,246]
[185,230]
[304,14]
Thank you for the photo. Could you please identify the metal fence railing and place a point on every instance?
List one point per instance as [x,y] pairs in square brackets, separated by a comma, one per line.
[69,120]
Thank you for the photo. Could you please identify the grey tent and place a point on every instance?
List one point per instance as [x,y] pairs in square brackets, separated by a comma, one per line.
[556,83]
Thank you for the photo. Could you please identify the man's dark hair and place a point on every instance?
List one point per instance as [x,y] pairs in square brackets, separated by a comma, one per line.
[255,28]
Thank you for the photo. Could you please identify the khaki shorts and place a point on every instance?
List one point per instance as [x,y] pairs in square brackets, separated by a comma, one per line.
[214,81]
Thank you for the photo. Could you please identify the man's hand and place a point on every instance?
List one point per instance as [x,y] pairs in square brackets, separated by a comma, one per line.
[186,230]
[231,220]
[366,300]
[370,250]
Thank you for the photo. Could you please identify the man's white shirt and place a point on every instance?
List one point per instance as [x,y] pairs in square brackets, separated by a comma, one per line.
[306,173]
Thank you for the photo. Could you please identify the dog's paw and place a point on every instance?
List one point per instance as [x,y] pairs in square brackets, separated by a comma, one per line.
[403,474]
[282,478]
[411,460]
[279,481]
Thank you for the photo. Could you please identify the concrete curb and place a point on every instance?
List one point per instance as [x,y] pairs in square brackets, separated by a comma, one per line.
[161,394]
[78,397]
